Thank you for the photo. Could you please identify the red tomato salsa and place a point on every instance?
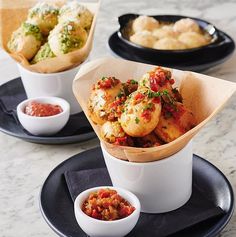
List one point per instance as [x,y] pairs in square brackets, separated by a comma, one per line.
[42,110]
[106,83]
[107,205]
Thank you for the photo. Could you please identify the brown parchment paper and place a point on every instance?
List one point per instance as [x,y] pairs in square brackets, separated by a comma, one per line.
[14,12]
[204,95]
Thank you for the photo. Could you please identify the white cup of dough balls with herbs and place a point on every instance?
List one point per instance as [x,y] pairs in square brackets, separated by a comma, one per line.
[50,41]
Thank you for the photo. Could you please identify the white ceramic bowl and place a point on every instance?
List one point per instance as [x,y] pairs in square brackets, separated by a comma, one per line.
[161,186]
[99,228]
[44,125]
[51,84]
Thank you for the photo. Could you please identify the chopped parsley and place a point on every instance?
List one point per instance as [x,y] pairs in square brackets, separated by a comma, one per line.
[120,94]
[133,82]
[30,29]
[152,94]
[137,120]
[144,82]
[165,92]
[148,106]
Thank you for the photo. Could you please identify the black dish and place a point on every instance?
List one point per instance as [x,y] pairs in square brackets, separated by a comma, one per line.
[57,207]
[206,26]
[196,59]
[197,63]
[12,93]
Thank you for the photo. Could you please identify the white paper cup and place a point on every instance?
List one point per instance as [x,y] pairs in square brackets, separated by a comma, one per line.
[51,84]
[161,186]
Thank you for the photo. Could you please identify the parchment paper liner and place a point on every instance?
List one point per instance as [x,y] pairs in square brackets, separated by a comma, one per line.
[14,12]
[204,95]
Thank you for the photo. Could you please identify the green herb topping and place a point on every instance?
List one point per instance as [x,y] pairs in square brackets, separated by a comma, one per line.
[137,120]
[42,9]
[149,106]
[68,43]
[30,29]
[133,82]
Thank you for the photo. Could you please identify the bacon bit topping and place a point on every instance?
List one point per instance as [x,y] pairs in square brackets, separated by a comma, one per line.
[139,97]
[149,106]
[177,95]
[156,100]
[107,83]
[116,108]
[159,78]
[130,86]
[121,141]
[146,114]
[172,81]
[172,111]
[107,205]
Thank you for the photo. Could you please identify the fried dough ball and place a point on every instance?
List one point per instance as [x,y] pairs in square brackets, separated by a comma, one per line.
[169,44]
[186,25]
[193,39]
[159,80]
[44,16]
[67,37]
[149,140]
[143,38]
[165,32]
[175,120]
[104,92]
[141,113]
[74,10]
[44,52]
[142,23]
[26,40]
[112,130]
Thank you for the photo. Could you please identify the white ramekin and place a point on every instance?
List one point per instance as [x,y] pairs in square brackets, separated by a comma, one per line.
[51,84]
[99,228]
[161,186]
[44,126]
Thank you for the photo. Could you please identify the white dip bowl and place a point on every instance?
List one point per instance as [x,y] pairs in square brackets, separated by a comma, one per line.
[51,84]
[161,186]
[99,228]
[44,126]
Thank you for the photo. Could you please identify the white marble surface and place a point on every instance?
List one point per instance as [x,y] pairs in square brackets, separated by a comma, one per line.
[24,166]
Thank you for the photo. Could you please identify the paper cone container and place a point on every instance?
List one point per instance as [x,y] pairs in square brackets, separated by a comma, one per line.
[14,12]
[202,94]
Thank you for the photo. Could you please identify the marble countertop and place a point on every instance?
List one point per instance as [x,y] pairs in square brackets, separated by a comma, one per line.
[24,166]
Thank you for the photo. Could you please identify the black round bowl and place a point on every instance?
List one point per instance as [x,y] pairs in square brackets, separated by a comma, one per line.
[219,45]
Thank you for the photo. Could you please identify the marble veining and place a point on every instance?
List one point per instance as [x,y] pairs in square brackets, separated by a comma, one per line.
[24,166]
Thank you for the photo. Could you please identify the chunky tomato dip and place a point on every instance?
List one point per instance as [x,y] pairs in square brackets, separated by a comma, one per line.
[107,205]
[42,110]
